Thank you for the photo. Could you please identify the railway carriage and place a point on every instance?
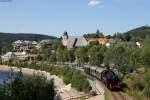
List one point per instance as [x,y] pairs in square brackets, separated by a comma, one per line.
[93,71]
[98,72]
[87,69]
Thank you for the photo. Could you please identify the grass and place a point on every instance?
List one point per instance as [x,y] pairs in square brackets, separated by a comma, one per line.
[107,95]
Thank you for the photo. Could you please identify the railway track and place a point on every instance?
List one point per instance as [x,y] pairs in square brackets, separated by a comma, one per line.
[120,96]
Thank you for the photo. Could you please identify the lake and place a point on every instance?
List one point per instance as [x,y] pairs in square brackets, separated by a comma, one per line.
[6,76]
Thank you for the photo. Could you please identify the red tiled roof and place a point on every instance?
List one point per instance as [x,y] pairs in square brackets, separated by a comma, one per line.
[100,40]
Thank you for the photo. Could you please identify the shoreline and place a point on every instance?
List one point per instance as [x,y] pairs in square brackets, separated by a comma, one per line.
[65,91]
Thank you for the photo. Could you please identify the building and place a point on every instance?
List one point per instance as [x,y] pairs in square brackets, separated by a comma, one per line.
[65,38]
[47,43]
[127,43]
[9,56]
[24,45]
[103,41]
[73,41]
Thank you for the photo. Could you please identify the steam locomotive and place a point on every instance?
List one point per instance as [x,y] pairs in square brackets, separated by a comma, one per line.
[107,76]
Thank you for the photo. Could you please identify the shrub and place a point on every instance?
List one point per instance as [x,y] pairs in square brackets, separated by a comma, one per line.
[35,87]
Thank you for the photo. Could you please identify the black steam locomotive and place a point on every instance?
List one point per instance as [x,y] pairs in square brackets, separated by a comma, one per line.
[107,76]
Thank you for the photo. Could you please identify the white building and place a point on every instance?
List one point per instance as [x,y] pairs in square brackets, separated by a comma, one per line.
[24,45]
[9,56]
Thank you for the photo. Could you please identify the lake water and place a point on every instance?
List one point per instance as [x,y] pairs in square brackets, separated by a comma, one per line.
[5,77]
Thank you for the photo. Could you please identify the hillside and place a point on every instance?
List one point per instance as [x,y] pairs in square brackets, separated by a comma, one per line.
[140,31]
[7,38]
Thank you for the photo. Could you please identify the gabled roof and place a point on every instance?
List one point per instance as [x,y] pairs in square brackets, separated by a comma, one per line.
[76,41]
[18,42]
[9,56]
[34,42]
[48,41]
[100,40]
[71,42]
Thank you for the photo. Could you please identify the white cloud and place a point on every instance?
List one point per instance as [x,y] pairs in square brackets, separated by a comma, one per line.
[95,3]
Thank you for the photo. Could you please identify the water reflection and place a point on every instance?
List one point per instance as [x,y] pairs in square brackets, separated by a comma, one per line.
[6,77]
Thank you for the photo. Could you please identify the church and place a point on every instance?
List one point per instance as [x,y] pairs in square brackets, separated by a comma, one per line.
[73,41]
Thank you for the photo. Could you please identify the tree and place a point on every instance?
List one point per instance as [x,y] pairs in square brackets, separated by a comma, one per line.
[135,57]
[108,56]
[81,55]
[57,44]
[62,55]
[46,53]
[65,55]
[146,56]
[119,56]
[95,56]
[99,34]
[93,43]
[126,37]
[109,36]
[34,51]
[119,36]
[53,58]
[59,55]
[147,84]
[71,55]
[7,48]
[146,52]
[35,87]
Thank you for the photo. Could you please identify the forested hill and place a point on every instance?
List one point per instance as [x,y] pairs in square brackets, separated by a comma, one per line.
[139,32]
[7,38]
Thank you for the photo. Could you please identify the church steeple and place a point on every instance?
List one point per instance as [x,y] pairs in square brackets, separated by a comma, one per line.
[98,32]
[65,35]
[65,38]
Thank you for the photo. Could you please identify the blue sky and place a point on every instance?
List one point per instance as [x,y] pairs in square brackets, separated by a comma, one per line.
[53,17]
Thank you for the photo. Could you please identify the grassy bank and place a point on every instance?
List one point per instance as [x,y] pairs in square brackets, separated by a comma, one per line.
[70,75]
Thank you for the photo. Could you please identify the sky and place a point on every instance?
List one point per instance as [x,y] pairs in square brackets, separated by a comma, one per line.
[77,17]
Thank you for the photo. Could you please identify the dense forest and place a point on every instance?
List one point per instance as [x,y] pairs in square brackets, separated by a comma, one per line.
[137,34]
[140,31]
[7,38]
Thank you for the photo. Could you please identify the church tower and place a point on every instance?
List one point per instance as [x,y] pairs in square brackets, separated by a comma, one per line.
[65,38]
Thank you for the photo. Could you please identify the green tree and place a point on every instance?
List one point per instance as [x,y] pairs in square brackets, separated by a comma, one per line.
[7,48]
[95,56]
[119,55]
[81,55]
[46,53]
[53,58]
[146,52]
[35,87]
[147,84]
[62,55]
[71,55]
[57,44]
[146,56]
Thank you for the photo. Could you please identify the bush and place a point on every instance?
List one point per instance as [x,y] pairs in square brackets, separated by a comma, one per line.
[70,75]
[35,87]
